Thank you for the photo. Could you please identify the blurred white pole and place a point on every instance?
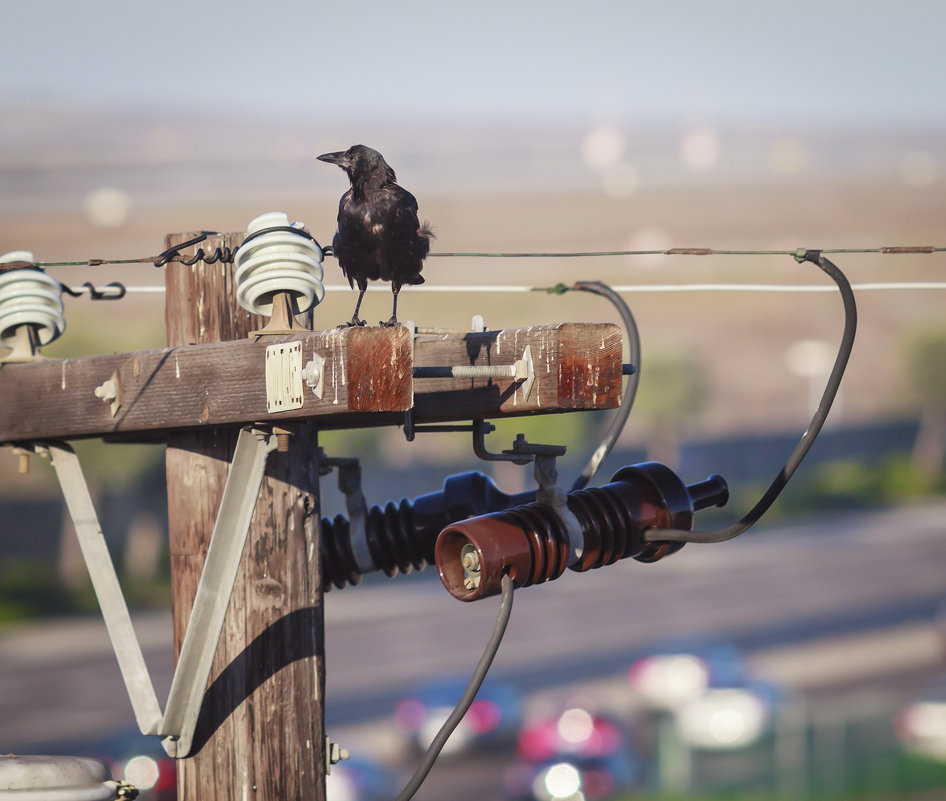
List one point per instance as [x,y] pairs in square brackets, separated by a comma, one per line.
[674,759]
[791,748]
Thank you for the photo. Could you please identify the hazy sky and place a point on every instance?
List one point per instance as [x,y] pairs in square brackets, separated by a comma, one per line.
[860,61]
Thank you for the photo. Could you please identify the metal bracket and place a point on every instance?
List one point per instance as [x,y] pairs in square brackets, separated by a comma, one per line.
[131,662]
[522,451]
[210,602]
[349,483]
[411,428]
[548,492]
[284,377]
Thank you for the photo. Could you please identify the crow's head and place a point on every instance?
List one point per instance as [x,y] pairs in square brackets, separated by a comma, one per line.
[363,164]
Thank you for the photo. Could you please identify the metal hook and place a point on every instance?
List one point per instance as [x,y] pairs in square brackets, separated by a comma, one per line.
[117,291]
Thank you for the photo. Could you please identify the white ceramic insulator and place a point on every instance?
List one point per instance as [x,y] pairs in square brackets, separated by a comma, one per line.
[280,261]
[29,297]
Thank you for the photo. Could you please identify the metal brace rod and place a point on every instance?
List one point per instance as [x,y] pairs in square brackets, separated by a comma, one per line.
[210,602]
[521,370]
[107,589]
[214,589]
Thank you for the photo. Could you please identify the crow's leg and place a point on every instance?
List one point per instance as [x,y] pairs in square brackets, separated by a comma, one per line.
[393,321]
[355,319]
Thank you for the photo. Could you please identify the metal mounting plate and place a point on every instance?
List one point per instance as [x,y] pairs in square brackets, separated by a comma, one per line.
[284,377]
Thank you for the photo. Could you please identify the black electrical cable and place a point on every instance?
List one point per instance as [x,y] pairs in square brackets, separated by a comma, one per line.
[634,349]
[469,694]
[807,439]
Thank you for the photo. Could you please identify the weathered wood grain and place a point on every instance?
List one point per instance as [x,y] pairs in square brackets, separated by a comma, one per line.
[260,734]
[577,366]
[196,385]
[367,373]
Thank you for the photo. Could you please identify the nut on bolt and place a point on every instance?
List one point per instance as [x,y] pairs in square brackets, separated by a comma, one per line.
[470,560]
[334,754]
[126,791]
[282,439]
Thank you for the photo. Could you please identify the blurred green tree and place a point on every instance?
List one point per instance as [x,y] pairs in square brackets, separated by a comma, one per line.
[673,391]
[925,360]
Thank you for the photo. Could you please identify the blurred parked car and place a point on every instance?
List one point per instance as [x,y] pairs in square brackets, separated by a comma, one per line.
[728,718]
[705,686]
[921,725]
[491,721]
[676,674]
[575,756]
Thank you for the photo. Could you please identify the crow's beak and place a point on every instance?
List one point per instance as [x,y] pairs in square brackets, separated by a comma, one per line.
[334,158]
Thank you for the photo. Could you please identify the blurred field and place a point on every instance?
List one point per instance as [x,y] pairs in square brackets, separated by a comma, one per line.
[76,185]
[740,340]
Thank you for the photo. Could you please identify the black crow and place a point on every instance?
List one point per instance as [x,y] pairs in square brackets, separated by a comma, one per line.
[379,235]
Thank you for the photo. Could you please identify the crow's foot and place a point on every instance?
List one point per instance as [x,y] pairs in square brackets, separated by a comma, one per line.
[352,323]
[392,323]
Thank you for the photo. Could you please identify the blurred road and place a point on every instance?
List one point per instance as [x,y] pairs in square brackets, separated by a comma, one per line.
[845,588]
[767,588]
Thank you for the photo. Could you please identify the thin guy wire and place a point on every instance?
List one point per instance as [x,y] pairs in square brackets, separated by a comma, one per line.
[887,250]
[623,288]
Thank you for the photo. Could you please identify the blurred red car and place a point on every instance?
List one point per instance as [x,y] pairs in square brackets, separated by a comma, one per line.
[575,756]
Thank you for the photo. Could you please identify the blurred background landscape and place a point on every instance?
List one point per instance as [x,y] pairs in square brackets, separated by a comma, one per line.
[538,128]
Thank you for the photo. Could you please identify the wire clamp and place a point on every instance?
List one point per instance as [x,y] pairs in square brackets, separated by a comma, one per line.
[349,484]
[549,492]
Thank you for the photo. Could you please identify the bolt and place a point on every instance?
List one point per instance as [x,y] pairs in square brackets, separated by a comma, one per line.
[282,439]
[334,753]
[470,560]
[107,391]
[24,466]
[127,792]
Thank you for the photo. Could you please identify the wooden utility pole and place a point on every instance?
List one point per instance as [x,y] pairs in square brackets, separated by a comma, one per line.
[260,733]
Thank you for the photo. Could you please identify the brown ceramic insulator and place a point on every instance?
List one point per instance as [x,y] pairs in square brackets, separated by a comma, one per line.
[531,543]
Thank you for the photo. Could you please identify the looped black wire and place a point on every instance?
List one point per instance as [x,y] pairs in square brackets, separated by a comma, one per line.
[97,294]
[782,478]
[225,254]
[174,253]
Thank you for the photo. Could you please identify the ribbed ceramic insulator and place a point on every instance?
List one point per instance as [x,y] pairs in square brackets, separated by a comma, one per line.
[29,297]
[531,543]
[277,261]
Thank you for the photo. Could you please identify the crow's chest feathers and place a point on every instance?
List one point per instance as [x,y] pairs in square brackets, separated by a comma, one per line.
[364,224]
